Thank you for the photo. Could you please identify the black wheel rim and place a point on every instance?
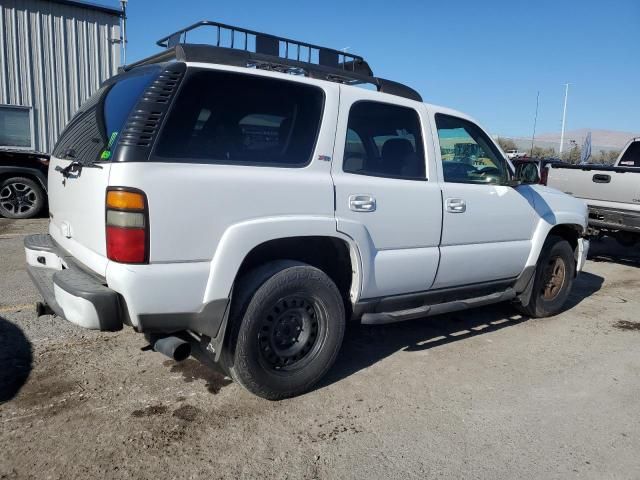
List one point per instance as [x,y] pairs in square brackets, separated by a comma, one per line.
[18,198]
[289,333]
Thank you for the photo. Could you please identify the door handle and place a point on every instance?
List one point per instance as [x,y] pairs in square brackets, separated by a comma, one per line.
[362,203]
[601,178]
[455,205]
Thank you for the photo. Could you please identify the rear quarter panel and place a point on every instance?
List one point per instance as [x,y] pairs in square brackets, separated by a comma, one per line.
[215,214]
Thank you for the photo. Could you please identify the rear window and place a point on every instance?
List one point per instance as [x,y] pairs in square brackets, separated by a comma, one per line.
[231,118]
[93,131]
[631,157]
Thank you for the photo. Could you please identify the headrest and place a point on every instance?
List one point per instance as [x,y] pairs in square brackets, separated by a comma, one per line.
[396,148]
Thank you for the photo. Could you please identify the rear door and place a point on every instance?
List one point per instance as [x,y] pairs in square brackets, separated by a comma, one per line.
[385,196]
[77,196]
[487,227]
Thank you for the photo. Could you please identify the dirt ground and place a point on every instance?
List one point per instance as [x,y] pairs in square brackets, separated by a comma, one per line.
[478,394]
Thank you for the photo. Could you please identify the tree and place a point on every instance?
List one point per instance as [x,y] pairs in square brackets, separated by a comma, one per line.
[606,157]
[506,144]
[573,155]
[539,152]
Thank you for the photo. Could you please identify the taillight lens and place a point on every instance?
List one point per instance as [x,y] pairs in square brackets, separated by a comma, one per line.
[127,225]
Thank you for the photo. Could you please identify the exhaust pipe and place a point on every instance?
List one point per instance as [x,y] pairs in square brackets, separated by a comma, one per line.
[173,347]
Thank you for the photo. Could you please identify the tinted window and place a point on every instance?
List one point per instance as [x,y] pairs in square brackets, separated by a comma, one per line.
[223,117]
[120,100]
[92,132]
[631,157]
[468,155]
[384,140]
[354,152]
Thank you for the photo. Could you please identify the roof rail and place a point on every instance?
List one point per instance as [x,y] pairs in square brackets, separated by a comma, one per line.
[247,48]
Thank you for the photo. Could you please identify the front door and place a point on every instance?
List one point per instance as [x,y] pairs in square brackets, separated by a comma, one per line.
[385,198]
[487,226]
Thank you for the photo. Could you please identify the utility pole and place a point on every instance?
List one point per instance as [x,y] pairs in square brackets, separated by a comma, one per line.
[564,116]
[535,121]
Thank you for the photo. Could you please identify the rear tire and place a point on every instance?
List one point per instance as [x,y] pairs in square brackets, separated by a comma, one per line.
[555,273]
[20,197]
[288,322]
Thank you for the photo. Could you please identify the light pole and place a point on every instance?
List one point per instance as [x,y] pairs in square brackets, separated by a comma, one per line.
[564,117]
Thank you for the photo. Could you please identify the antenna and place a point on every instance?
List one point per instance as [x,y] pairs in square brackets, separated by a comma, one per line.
[535,121]
[123,6]
[564,117]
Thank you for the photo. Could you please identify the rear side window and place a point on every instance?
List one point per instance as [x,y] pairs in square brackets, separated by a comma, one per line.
[93,131]
[119,101]
[232,118]
[631,157]
[384,140]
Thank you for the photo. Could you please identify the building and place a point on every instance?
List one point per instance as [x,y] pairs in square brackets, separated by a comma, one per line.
[53,55]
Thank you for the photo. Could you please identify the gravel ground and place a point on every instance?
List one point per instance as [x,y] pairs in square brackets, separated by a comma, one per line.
[478,394]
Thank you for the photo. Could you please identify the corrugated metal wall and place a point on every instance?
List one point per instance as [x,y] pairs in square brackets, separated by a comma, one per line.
[52,58]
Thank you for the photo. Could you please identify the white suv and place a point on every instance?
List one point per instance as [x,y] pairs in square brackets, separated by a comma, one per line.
[257,203]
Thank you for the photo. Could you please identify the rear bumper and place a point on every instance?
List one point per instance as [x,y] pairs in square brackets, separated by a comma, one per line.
[70,292]
[151,298]
[612,219]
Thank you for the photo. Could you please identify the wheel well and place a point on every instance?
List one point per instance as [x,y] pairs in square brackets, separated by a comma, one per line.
[329,254]
[570,233]
[30,176]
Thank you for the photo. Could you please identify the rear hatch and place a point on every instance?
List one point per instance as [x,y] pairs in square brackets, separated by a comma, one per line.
[80,167]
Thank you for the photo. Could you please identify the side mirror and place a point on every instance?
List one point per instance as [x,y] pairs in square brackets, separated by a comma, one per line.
[527,173]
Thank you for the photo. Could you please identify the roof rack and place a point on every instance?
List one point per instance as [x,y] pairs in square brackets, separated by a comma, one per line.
[246,48]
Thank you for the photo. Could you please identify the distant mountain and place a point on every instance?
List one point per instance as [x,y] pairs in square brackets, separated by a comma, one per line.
[600,139]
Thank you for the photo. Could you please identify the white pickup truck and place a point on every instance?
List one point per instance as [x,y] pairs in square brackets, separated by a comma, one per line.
[611,192]
[255,203]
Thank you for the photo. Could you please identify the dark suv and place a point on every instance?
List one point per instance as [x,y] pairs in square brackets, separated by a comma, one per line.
[23,183]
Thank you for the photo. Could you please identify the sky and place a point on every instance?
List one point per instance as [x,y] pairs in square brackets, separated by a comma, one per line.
[486,58]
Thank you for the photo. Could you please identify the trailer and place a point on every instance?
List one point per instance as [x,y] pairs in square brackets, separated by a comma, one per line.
[54,54]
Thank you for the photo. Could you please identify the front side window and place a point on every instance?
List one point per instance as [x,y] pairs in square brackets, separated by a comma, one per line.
[468,154]
[233,118]
[384,140]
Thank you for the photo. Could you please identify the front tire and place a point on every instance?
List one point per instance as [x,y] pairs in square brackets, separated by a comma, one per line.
[288,326]
[555,273]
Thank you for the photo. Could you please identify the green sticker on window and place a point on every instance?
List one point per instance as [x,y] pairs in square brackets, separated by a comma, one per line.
[105,155]
[112,139]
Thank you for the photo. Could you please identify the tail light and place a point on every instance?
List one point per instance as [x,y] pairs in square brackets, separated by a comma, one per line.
[544,175]
[127,225]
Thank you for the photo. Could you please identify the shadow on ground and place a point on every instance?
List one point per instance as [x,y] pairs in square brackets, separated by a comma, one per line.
[607,249]
[365,345]
[15,359]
